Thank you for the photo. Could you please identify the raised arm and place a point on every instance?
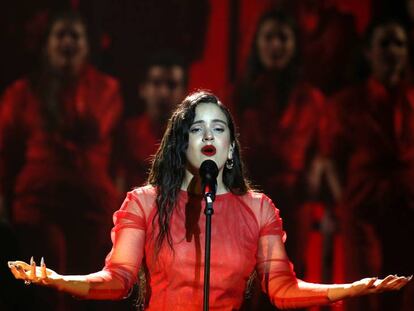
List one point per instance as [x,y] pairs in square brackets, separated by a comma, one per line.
[121,265]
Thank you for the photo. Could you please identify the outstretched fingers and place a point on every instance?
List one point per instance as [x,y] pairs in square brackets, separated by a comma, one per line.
[391,282]
[30,273]
[375,285]
[18,272]
[399,282]
[43,271]
[383,284]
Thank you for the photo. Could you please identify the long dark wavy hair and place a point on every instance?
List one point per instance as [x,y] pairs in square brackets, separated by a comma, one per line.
[169,163]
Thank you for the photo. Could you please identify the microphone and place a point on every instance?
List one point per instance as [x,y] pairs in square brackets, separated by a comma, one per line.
[208,173]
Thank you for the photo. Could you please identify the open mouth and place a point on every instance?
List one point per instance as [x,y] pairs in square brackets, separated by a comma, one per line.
[208,150]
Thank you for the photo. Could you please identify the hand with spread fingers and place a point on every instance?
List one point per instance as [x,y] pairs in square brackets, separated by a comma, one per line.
[77,285]
[367,286]
[375,285]
[31,273]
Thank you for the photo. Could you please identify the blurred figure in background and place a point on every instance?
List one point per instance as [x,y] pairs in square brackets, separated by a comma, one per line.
[329,39]
[163,88]
[403,10]
[21,31]
[371,138]
[56,129]
[279,115]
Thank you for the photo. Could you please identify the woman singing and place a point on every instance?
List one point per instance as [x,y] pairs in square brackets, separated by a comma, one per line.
[161,226]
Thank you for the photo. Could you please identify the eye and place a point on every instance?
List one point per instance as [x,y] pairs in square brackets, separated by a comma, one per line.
[195,130]
[219,129]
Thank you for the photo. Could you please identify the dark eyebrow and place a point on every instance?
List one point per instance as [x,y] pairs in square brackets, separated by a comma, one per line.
[214,121]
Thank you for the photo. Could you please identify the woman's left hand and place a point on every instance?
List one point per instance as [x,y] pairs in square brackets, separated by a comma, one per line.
[374,285]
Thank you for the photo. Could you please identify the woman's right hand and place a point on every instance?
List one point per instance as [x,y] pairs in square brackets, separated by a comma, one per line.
[30,273]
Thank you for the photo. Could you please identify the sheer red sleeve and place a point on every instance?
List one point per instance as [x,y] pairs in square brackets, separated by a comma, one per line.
[276,273]
[122,263]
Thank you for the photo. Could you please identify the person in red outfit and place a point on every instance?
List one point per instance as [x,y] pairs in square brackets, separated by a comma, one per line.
[163,88]
[56,131]
[279,115]
[329,39]
[160,225]
[371,139]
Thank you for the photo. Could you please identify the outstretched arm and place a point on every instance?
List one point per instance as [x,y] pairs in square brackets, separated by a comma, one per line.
[121,266]
[286,291]
[76,285]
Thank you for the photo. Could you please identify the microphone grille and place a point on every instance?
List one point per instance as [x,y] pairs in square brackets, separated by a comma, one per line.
[209,169]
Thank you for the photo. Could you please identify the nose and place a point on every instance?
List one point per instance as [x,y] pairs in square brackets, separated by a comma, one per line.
[208,136]
[164,91]
[68,38]
[276,43]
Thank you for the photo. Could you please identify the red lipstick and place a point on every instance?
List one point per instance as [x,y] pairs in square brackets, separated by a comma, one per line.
[209,150]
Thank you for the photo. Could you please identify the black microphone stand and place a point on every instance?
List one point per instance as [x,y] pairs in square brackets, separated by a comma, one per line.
[208,211]
[208,173]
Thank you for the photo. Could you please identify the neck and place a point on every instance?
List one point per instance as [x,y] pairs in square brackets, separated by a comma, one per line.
[192,183]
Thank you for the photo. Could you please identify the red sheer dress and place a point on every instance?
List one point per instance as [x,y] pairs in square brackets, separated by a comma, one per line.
[247,234]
